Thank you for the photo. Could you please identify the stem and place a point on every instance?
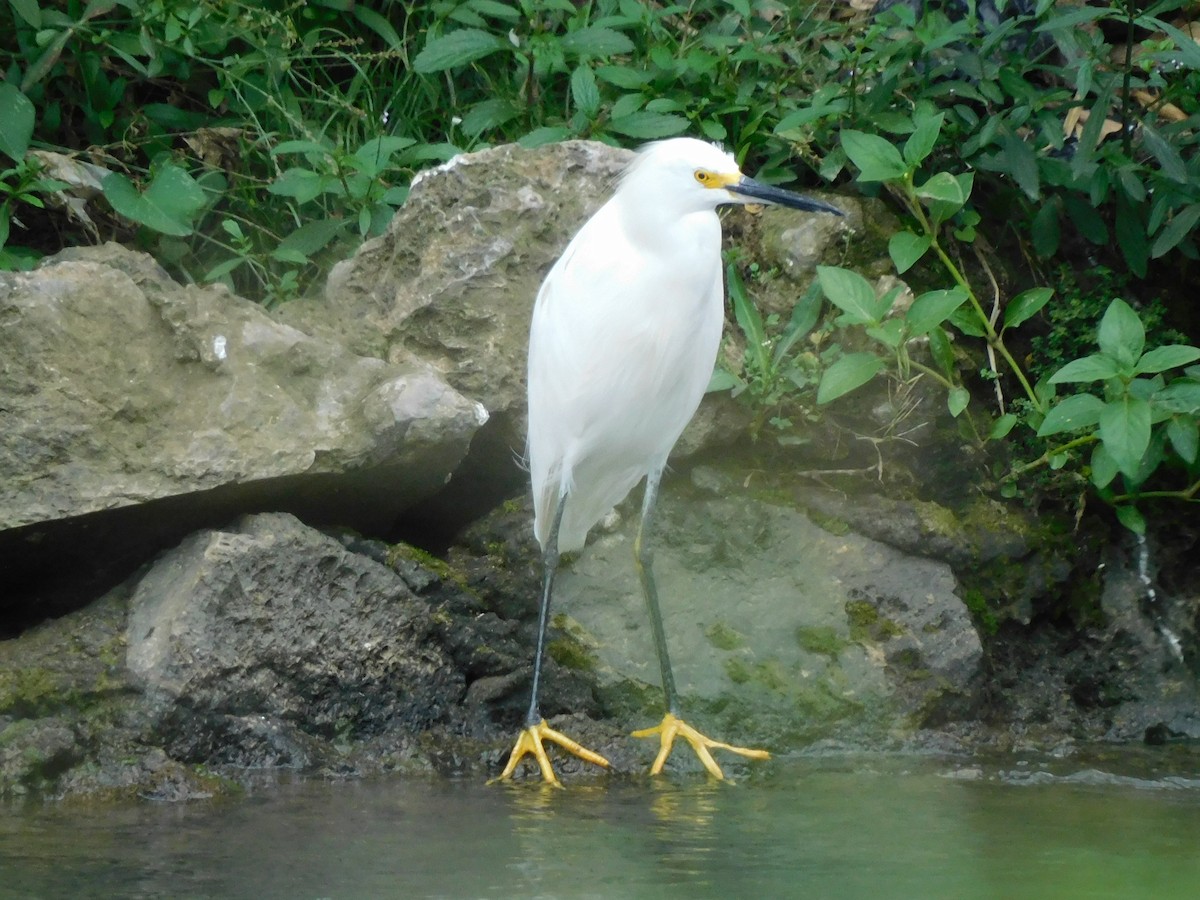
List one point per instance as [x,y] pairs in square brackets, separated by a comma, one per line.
[1188,494]
[1053,452]
[995,341]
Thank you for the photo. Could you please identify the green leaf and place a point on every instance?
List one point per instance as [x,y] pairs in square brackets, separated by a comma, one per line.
[1097,367]
[168,205]
[722,380]
[932,309]
[848,373]
[624,77]
[849,292]
[1045,230]
[1071,414]
[906,248]
[1131,518]
[966,320]
[48,58]
[1002,426]
[1131,230]
[584,91]
[456,49]
[749,320]
[1181,226]
[302,185]
[16,122]
[943,187]
[942,209]
[1125,431]
[876,158]
[957,400]
[301,146]
[1181,396]
[921,142]
[29,11]
[1168,157]
[1185,44]
[1184,434]
[312,236]
[1121,334]
[1162,358]
[381,26]
[1104,467]
[488,114]
[505,11]
[648,125]
[221,269]
[284,254]
[596,40]
[890,333]
[804,316]
[547,134]
[941,350]
[1020,162]
[1026,305]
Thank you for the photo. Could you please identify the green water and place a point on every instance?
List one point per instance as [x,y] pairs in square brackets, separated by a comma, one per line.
[849,827]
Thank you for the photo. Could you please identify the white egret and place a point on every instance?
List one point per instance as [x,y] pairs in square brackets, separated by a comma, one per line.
[625,334]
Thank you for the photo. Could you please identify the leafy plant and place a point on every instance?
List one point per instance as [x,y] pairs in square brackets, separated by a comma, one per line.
[1140,414]
[1070,133]
[1140,417]
[773,368]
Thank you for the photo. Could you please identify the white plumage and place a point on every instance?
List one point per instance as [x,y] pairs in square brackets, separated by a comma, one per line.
[624,337]
[625,334]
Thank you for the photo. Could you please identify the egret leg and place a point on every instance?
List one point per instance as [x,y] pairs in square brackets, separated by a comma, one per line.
[530,740]
[671,726]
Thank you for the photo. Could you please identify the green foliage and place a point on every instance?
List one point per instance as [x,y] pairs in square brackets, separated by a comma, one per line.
[1031,106]
[778,362]
[1147,414]
[245,143]
[152,88]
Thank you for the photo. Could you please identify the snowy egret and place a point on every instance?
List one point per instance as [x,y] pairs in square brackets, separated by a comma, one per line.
[625,334]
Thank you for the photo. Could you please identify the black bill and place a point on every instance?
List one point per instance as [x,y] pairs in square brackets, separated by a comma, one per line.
[765,193]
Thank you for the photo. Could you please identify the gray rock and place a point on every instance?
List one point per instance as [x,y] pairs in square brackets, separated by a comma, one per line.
[272,619]
[123,389]
[780,632]
[454,278]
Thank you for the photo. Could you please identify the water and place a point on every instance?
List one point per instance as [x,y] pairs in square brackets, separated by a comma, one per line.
[852,827]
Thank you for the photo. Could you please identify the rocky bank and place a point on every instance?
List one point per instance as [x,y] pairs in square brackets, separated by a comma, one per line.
[218,530]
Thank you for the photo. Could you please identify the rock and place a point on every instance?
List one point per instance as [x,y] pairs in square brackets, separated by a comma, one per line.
[780,632]
[454,278]
[272,619]
[124,389]
[267,644]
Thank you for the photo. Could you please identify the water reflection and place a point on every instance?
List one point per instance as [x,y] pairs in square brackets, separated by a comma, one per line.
[848,828]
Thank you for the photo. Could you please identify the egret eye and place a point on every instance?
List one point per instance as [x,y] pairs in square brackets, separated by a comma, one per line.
[704,177]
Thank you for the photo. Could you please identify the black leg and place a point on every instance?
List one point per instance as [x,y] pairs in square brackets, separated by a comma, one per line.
[643,558]
[549,567]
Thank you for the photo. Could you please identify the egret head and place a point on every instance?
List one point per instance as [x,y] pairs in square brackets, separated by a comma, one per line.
[698,175]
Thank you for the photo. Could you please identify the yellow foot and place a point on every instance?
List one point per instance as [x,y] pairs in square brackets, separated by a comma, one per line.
[670,727]
[529,741]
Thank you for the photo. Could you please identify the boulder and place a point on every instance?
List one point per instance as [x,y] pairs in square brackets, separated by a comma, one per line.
[780,632]
[268,644]
[136,410]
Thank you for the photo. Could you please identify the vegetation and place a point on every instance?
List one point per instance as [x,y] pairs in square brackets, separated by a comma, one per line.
[253,144]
